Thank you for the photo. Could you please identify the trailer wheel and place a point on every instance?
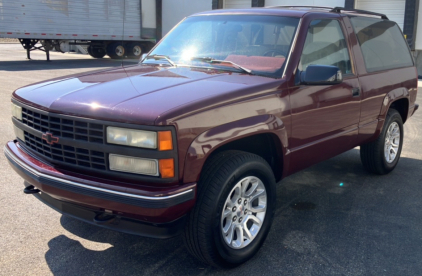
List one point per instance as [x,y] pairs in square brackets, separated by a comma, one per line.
[115,50]
[96,52]
[134,50]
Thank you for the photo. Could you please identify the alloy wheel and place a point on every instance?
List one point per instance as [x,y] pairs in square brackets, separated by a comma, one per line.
[392,142]
[244,212]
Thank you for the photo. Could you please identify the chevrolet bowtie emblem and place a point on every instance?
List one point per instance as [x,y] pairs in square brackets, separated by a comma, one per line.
[49,138]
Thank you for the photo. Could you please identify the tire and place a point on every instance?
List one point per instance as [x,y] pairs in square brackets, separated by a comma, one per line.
[203,234]
[116,50]
[134,50]
[373,155]
[96,52]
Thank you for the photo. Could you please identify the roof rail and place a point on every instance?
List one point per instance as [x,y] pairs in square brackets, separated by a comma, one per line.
[339,9]
[316,7]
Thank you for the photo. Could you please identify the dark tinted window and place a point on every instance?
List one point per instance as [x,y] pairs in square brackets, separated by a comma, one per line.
[325,45]
[382,43]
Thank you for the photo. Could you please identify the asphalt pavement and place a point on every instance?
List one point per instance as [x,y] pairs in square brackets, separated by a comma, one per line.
[332,219]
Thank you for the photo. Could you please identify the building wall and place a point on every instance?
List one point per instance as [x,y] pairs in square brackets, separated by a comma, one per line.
[175,10]
[394,9]
[418,40]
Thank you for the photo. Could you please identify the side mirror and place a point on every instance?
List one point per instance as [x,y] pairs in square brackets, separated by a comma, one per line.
[321,75]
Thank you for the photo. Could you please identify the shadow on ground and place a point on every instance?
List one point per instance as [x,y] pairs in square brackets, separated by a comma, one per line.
[54,64]
[352,223]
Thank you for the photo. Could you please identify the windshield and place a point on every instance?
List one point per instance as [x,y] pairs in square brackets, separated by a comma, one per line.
[248,43]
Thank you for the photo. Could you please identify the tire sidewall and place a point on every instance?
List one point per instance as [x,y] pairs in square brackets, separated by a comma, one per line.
[395,117]
[131,48]
[236,256]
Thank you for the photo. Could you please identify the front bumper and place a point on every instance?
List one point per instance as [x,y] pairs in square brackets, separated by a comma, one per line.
[141,206]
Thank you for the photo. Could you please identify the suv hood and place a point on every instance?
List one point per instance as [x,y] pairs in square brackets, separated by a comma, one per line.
[136,94]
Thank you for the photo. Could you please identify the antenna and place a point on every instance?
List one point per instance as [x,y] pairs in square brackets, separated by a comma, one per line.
[123,34]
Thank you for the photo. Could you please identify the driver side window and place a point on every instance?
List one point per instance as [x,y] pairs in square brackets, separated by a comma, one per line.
[325,45]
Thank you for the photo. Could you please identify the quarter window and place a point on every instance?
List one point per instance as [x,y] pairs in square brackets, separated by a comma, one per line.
[382,43]
[325,45]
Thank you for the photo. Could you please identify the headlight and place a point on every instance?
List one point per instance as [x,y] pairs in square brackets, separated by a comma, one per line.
[133,164]
[132,137]
[17,111]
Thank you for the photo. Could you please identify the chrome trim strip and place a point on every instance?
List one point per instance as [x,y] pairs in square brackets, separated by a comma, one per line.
[292,47]
[36,173]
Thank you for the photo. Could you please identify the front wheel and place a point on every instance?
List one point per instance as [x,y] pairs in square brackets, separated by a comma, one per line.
[234,210]
[382,155]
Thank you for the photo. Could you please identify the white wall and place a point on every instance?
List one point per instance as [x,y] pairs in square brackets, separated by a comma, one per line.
[321,3]
[394,9]
[418,39]
[176,10]
[148,14]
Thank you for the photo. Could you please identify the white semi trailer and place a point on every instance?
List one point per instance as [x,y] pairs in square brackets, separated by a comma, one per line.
[117,28]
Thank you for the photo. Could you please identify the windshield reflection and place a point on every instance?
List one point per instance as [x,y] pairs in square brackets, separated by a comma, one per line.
[245,43]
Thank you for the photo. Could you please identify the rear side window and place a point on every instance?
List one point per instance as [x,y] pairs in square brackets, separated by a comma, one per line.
[382,43]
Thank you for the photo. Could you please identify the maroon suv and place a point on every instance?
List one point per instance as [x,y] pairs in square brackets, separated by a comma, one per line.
[195,137]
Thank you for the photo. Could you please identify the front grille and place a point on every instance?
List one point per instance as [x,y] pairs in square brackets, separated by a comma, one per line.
[64,127]
[67,154]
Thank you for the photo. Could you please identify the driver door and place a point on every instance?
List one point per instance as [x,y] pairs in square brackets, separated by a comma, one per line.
[324,117]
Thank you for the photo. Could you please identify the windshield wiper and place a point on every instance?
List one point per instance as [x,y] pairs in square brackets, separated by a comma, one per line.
[160,57]
[211,60]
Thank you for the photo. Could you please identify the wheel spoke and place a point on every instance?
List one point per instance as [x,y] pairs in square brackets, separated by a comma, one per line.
[257,195]
[395,135]
[227,212]
[244,185]
[252,189]
[256,220]
[239,239]
[229,234]
[246,232]
[258,209]
[228,226]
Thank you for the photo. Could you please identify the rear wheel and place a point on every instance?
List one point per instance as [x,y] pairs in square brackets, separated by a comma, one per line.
[134,50]
[96,52]
[382,155]
[234,210]
[115,50]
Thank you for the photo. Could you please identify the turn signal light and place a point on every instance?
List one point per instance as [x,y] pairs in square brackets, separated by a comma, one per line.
[164,140]
[167,168]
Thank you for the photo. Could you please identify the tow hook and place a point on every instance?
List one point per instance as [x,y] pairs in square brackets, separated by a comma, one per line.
[103,218]
[30,190]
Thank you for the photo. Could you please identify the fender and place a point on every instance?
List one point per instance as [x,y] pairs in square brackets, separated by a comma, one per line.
[207,142]
[391,97]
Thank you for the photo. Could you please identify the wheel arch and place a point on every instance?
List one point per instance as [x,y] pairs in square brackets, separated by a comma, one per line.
[264,135]
[398,99]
